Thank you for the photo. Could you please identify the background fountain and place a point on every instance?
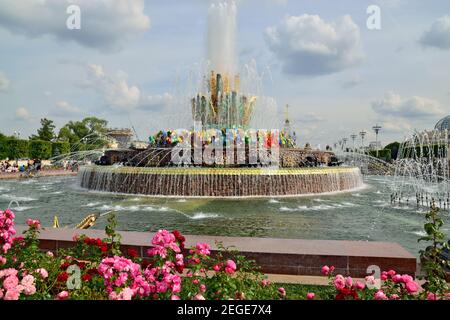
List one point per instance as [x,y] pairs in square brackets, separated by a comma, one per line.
[422,170]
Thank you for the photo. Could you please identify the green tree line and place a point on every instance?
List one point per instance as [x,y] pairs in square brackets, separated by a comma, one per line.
[87,134]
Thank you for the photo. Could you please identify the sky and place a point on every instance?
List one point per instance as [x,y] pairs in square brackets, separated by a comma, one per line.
[131,61]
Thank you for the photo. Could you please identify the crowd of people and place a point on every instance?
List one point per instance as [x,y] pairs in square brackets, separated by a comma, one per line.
[9,166]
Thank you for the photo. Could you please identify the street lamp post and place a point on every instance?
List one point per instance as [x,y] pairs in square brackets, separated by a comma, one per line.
[377,130]
[363,135]
[353,136]
[344,141]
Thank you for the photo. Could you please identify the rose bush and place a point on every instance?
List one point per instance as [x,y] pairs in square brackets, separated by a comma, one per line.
[97,269]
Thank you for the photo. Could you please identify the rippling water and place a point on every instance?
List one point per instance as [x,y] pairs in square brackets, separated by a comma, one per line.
[361,215]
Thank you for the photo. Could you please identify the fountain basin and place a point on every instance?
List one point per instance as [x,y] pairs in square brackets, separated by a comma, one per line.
[219,182]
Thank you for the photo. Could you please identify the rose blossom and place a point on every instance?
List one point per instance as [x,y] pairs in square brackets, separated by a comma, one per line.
[360,285]
[34,223]
[42,272]
[395,296]
[265,283]
[379,295]
[370,280]
[202,288]
[407,278]
[339,282]
[325,270]
[397,278]
[62,295]
[310,296]
[199,297]
[412,287]
[230,267]
[431,296]
[12,294]
[349,281]
[203,249]
[282,292]
[174,297]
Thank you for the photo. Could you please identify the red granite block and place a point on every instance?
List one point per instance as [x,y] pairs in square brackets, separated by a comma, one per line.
[47,245]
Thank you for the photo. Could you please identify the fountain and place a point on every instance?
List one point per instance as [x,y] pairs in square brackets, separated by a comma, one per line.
[422,170]
[221,154]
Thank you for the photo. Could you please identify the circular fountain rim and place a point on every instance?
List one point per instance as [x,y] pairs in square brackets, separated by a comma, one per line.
[222,171]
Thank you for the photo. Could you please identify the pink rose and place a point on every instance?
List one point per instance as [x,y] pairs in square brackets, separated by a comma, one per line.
[407,278]
[2,260]
[397,278]
[49,254]
[412,287]
[384,276]
[326,270]
[265,283]
[62,295]
[379,295]
[202,288]
[230,267]
[360,285]
[10,282]
[391,273]
[349,282]
[310,296]
[431,296]
[12,294]
[199,297]
[370,280]
[339,282]
[282,292]
[28,280]
[395,296]
[216,268]
[174,297]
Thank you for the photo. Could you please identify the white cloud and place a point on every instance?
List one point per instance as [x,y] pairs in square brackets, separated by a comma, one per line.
[23,114]
[438,35]
[307,45]
[118,94]
[113,88]
[63,108]
[396,126]
[416,107]
[154,102]
[4,82]
[105,24]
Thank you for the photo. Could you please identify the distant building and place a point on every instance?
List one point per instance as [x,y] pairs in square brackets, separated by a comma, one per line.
[120,138]
[287,128]
[444,125]
[374,146]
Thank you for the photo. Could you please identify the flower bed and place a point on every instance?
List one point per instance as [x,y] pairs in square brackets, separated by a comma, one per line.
[97,269]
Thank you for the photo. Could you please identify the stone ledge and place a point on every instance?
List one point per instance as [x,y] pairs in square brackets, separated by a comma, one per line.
[277,256]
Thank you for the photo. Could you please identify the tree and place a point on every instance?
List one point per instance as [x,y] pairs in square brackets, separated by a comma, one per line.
[394,146]
[60,148]
[16,148]
[3,147]
[46,132]
[40,149]
[87,134]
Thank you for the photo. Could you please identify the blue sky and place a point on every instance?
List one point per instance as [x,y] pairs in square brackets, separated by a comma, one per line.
[130,60]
